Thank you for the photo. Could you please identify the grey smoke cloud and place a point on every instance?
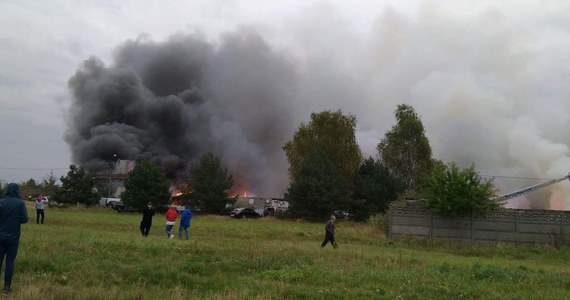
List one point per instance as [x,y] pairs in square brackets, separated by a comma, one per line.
[479,85]
[175,100]
[489,86]
[486,93]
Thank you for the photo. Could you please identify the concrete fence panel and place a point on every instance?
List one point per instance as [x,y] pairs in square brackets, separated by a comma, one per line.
[451,233]
[509,225]
[495,236]
[501,226]
[411,230]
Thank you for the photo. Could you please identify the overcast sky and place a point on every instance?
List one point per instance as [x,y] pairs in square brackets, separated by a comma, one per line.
[490,79]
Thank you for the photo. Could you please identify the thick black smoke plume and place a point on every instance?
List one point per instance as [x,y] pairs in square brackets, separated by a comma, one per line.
[176,100]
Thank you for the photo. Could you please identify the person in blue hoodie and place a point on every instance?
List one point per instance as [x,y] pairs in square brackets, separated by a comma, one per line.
[185,223]
[12,213]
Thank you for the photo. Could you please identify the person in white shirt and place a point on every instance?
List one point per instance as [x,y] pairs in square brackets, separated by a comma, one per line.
[40,204]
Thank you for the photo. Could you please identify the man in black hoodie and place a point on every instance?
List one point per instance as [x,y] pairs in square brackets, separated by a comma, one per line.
[146,222]
[12,213]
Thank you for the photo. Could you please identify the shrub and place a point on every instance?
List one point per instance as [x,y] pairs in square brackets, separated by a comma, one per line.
[380,222]
[451,191]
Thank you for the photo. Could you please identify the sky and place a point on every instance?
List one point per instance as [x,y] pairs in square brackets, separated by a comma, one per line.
[487,78]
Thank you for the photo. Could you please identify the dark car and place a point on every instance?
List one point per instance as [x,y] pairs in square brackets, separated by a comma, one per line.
[117,205]
[244,213]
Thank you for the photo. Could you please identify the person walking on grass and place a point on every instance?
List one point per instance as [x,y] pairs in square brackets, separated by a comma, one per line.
[185,219]
[329,233]
[40,205]
[146,222]
[12,213]
[171,215]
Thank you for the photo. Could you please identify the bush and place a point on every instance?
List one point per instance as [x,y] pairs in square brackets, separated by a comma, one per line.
[380,223]
[451,191]
[558,240]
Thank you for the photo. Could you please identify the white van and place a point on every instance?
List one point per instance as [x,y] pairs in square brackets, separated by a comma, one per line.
[107,201]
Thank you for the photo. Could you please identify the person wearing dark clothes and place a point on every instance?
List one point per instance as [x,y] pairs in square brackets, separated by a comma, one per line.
[12,213]
[329,233]
[185,223]
[146,222]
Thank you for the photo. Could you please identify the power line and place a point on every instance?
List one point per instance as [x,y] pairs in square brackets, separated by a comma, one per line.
[516,177]
[31,169]
[482,175]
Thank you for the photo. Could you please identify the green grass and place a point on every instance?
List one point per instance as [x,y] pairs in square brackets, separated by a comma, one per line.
[99,254]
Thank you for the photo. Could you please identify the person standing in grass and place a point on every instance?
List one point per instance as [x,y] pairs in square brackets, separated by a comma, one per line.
[185,219]
[171,216]
[40,205]
[146,222]
[329,233]
[12,213]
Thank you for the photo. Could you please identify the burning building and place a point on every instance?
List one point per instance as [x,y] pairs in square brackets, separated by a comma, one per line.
[172,102]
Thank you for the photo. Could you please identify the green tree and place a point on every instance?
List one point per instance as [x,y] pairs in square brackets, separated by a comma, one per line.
[146,183]
[29,188]
[77,187]
[49,185]
[451,191]
[405,150]
[209,184]
[318,189]
[333,133]
[373,190]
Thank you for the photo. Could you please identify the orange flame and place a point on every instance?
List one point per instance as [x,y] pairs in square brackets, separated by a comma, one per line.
[239,191]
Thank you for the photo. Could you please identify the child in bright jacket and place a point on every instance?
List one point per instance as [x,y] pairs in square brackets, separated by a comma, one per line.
[171,216]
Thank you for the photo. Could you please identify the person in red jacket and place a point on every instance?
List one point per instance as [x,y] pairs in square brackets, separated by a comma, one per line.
[171,215]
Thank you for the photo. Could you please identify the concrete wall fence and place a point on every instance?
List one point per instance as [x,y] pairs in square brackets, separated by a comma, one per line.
[509,225]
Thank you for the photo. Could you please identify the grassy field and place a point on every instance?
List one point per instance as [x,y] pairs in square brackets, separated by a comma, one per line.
[99,254]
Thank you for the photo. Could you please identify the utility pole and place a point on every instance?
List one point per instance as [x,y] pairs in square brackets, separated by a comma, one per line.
[111,171]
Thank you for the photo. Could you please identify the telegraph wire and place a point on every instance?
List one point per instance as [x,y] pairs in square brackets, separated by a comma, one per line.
[32,169]
[482,175]
[515,177]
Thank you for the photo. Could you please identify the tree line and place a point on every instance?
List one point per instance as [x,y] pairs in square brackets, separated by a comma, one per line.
[31,188]
[327,175]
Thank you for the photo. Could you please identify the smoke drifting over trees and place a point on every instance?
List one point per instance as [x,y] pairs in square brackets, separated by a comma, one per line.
[485,93]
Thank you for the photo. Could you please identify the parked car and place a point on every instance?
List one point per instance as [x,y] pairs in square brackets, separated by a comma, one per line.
[117,205]
[244,213]
[107,201]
